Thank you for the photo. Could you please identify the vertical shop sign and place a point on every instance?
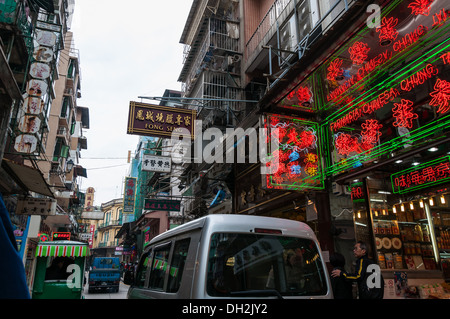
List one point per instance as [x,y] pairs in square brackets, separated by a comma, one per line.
[129,194]
[32,114]
[91,240]
[89,202]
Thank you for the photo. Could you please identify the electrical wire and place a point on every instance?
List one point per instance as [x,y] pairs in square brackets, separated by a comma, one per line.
[105,167]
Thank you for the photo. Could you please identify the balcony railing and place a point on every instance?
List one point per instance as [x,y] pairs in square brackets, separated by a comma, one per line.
[220,41]
[110,223]
[109,243]
[267,27]
[280,13]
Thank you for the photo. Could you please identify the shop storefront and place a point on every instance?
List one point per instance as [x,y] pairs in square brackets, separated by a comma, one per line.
[381,100]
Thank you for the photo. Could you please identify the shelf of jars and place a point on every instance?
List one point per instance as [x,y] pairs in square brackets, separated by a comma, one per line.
[441,220]
[403,239]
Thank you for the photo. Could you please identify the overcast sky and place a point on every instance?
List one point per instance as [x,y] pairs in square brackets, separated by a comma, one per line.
[127,49]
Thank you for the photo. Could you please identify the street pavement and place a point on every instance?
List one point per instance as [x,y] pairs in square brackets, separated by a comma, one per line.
[122,294]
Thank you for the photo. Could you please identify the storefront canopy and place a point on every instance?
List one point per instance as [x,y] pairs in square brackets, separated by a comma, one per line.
[62,248]
[29,178]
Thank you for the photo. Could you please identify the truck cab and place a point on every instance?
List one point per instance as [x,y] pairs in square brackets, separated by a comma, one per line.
[104,274]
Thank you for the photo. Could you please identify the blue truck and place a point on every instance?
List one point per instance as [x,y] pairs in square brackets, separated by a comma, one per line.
[104,274]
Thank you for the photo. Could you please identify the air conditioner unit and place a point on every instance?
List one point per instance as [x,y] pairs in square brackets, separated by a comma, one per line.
[304,20]
[337,189]
[288,38]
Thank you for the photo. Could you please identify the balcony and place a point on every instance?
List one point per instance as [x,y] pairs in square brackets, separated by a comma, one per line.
[218,50]
[110,223]
[63,132]
[109,243]
[292,30]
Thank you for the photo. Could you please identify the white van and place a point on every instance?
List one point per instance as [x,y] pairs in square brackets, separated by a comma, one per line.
[226,256]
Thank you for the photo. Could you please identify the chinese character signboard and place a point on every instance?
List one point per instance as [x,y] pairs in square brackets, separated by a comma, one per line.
[92,232]
[61,236]
[421,176]
[298,156]
[89,202]
[385,88]
[162,204]
[153,163]
[32,114]
[129,194]
[160,121]
[36,206]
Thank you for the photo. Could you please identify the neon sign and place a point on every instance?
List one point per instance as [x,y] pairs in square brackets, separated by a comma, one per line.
[387,31]
[403,113]
[358,52]
[388,75]
[335,70]
[298,154]
[419,78]
[441,96]
[421,176]
[61,236]
[420,7]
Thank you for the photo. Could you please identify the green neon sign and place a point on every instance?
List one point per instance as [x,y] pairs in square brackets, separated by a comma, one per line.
[421,176]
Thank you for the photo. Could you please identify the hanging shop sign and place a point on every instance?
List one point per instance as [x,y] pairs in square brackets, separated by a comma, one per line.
[60,236]
[85,236]
[43,237]
[160,121]
[45,37]
[91,239]
[153,163]
[162,204]
[36,206]
[33,111]
[385,88]
[129,194]
[298,156]
[89,201]
[421,176]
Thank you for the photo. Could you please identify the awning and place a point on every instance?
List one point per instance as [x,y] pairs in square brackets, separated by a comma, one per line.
[62,249]
[47,5]
[80,171]
[28,178]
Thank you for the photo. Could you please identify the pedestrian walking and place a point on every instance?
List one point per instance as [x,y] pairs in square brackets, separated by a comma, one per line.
[361,275]
[13,283]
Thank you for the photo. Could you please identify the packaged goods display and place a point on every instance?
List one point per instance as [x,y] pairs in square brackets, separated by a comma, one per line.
[403,240]
[404,235]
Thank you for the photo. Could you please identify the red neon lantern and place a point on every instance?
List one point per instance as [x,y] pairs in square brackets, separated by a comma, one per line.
[420,7]
[403,113]
[358,52]
[386,30]
[441,96]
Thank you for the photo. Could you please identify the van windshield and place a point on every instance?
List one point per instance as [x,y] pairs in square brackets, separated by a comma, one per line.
[242,262]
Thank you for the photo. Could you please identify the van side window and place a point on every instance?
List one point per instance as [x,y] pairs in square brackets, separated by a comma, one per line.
[180,252]
[159,266]
[142,270]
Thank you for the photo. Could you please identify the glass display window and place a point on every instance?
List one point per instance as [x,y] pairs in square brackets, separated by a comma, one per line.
[408,234]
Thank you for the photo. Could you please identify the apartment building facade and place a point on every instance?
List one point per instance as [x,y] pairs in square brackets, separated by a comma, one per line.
[39,144]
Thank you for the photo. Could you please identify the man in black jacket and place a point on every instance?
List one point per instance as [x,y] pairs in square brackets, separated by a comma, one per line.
[361,276]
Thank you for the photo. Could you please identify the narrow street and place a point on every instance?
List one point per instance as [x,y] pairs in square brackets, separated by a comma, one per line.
[122,294]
